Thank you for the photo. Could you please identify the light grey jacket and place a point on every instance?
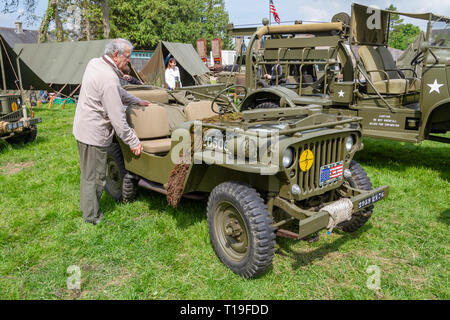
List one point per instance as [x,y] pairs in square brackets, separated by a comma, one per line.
[99,111]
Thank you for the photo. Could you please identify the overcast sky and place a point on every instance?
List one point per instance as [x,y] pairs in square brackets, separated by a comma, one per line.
[252,11]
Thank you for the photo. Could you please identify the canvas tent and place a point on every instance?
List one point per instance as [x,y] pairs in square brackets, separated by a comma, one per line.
[192,69]
[15,71]
[60,64]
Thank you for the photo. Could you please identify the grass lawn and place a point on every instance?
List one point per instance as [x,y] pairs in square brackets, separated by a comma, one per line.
[156,252]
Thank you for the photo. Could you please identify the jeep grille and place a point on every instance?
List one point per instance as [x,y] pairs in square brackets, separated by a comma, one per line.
[325,152]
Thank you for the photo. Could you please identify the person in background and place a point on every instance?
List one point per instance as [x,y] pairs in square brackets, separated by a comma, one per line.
[127,79]
[172,75]
[98,115]
[43,96]
[272,77]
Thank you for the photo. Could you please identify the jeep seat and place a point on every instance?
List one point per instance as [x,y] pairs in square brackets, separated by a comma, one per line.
[383,72]
[151,127]
[152,95]
[199,110]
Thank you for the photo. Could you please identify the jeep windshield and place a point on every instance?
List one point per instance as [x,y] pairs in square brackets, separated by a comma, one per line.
[440,34]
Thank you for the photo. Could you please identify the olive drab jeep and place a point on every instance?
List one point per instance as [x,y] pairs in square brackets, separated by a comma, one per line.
[16,123]
[345,66]
[263,173]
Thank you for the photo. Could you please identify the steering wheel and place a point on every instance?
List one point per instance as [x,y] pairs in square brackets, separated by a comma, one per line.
[417,59]
[226,104]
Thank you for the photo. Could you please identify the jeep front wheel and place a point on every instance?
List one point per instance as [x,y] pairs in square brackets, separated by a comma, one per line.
[241,229]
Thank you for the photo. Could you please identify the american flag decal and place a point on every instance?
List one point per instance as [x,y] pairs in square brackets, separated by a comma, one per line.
[274,12]
[331,173]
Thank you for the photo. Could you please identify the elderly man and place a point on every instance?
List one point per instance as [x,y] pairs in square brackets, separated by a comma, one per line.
[98,115]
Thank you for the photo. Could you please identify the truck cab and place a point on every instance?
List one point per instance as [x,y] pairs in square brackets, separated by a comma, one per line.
[346,67]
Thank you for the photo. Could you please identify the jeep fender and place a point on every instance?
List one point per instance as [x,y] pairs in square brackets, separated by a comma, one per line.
[281,95]
[443,107]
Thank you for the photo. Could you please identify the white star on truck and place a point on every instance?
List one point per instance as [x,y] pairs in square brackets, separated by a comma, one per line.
[435,86]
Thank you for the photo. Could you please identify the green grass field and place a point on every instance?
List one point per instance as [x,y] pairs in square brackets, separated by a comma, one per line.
[155,252]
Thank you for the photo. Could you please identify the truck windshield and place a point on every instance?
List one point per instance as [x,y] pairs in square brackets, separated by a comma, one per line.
[440,35]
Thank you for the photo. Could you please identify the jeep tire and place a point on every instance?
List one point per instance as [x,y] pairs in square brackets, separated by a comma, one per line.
[240,229]
[359,180]
[120,184]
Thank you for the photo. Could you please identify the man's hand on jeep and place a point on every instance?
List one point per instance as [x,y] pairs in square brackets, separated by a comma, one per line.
[137,150]
[144,103]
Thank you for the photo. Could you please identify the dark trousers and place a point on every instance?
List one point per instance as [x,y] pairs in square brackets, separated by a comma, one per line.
[92,180]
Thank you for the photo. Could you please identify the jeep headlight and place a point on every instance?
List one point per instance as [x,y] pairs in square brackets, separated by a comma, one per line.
[349,143]
[288,157]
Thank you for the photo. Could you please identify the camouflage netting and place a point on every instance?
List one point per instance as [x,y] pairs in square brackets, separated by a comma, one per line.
[175,184]
[179,173]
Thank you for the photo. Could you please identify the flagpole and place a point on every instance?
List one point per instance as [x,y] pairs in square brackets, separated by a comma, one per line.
[270,18]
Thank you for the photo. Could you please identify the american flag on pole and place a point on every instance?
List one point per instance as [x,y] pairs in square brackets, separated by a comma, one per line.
[274,12]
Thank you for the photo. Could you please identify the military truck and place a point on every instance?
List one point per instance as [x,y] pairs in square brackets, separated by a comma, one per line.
[264,173]
[345,66]
[17,124]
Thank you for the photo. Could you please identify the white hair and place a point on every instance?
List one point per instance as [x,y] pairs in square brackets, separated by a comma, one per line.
[118,45]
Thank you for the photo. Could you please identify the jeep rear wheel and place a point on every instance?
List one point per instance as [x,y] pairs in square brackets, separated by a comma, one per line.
[359,180]
[241,229]
[120,184]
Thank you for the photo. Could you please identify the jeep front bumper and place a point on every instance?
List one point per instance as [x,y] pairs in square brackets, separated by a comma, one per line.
[22,124]
[330,215]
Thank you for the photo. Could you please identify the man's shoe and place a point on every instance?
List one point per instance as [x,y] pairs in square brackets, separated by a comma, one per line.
[103,220]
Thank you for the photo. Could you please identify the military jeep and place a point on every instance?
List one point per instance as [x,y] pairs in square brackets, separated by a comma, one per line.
[264,173]
[346,67]
[16,125]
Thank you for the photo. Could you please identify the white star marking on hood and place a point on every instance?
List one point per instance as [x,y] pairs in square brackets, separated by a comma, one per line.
[435,86]
[341,94]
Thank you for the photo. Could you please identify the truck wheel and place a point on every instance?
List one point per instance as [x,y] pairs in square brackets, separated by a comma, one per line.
[267,105]
[120,184]
[359,180]
[31,135]
[28,135]
[240,229]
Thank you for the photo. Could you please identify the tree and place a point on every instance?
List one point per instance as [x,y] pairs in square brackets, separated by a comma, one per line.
[106,18]
[395,19]
[52,13]
[401,35]
[25,9]
[146,22]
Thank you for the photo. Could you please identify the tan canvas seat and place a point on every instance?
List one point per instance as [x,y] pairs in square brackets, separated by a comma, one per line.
[152,95]
[199,110]
[381,68]
[151,127]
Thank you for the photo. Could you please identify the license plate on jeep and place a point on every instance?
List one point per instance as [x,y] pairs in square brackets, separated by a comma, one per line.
[331,172]
[370,200]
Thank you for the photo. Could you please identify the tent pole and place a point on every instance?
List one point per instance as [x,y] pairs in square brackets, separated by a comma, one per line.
[3,69]
[18,70]
[70,95]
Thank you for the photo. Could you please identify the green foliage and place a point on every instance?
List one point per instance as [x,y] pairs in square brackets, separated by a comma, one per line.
[401,35]
[395,18]
[147,22]
[144,22]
